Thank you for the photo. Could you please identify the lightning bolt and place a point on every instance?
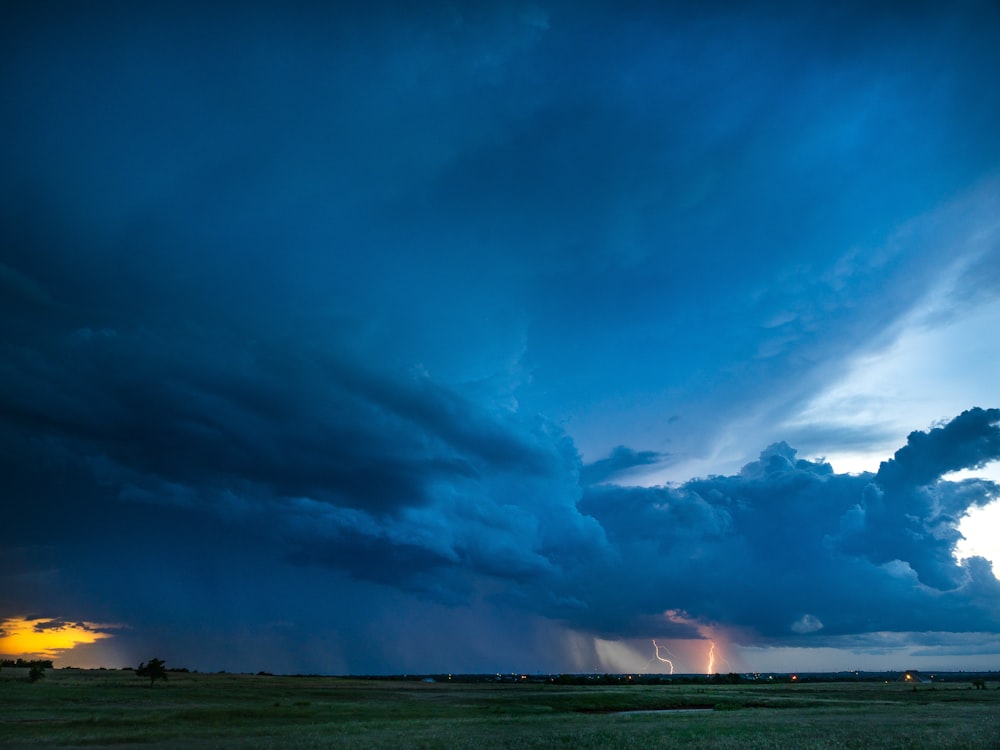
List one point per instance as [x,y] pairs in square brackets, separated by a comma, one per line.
[705,630]
[660,658]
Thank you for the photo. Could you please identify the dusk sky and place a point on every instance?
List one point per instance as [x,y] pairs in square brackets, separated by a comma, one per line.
[488,337]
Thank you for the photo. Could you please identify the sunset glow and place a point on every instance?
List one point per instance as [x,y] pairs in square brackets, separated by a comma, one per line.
[44,637]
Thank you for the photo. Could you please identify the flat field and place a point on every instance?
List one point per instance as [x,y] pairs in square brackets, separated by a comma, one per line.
[94,709]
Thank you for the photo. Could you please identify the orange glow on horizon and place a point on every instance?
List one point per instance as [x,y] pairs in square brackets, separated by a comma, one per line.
[46,638]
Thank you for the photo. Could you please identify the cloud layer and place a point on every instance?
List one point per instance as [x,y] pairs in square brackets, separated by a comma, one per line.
[401,482]
[342,333]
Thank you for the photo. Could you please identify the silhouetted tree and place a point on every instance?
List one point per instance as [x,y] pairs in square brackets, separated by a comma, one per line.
[35,673]
[154,670]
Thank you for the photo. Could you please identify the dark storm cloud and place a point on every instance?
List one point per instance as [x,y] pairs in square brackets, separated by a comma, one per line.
[968,441]
[269,421]
[621,460]
[906,514]
[788,541]
[400,481]
[387,475]
[786,549]
[285,294]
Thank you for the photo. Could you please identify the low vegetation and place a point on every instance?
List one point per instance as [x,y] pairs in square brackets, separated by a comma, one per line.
[18,663]
[155,670]
[98,708]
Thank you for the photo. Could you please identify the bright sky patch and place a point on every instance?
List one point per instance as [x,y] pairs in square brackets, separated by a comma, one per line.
[46,638]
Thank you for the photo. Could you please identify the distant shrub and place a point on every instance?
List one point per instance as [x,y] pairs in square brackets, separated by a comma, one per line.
[154,670]
[35,673]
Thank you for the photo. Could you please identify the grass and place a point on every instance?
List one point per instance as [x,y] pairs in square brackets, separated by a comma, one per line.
[95,709]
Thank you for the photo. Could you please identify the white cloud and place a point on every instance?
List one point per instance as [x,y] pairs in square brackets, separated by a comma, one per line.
[807,624]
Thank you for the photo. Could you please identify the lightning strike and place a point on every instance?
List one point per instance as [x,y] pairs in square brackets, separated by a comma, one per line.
[660,658]
[707,632]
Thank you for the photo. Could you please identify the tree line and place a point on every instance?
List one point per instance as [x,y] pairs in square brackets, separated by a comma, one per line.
[28,663]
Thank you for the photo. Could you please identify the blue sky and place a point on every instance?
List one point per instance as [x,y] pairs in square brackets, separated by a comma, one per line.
[488,337]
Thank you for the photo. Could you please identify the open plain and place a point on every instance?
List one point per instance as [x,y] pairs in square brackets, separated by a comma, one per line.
[97,708]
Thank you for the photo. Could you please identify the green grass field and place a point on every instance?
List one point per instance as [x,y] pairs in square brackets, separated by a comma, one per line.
[93,709]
